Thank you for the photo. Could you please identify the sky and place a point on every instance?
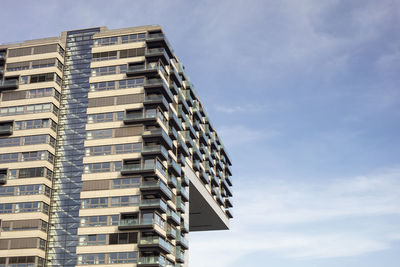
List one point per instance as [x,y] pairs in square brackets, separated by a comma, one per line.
[305,96]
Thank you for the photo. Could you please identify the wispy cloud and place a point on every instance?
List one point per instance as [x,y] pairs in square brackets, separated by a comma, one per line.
[309,221]
[240,134]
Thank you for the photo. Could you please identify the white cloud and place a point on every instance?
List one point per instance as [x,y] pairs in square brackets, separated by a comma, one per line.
[307,221]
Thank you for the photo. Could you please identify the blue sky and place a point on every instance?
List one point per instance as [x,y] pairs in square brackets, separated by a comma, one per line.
[305,95]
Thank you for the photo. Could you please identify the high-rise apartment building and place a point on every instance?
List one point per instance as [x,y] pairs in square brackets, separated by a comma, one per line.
[107,155]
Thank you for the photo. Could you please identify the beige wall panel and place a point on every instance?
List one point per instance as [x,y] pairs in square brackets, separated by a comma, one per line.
[114,62]
[98,176]
[30,101]
[33,71]
[112,141]
[114,108]
[127,91]
[97,230]
[112,77]
[111,193]
[117,47]
[107,211]
[26,181]
[106,249]
[35,57]
[29,198]
[22,252]
[27,164]
[119,157]
[23,234]
[34,132]
[24,117]
[15,149]
[23,216]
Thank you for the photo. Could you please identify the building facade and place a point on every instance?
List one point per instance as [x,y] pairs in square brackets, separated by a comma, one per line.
[107,155]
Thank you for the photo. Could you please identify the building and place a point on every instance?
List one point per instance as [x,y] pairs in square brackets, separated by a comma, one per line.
[107,155]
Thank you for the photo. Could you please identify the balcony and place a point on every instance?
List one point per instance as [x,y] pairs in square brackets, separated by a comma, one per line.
[9,84]
[171,232]
[132,224]
[6,128]
[156,39]
[182,147]
[174,75]
[2,56]
[228,170]
[214,180]
[3,178]
[228,203]
[157,135]
[155,150]
[219,165]
[184,227]
[191,133]
[180,204]
[180,190]
[151,261]
[153,204]
[181,160]
[150,69]
[204,177]
[174,88]
[155,242]
[148,167]
[184,104]
[188,96]
[173,133]
[173,119]
[172,181]
[196,152]
[173,217]
[196,165]
[158,85]
[158,186]
[180,240]
[136,117]
[174,167]
[203,138]
[179,256]
[156,100]
[1,70]
[157,53]
[185,181]
[229,213]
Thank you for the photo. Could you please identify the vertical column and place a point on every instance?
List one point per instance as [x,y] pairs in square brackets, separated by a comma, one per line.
[64,216]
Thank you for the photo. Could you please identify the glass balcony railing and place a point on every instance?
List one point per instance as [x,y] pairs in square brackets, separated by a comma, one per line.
[174,216]
[153,203]
[3,178]
[196,165]
[173,133]
[152,260]
[155,149]
[156,99]
[171,232]
[9,84]
[172,181]
[182,146]
[157,52]
[6,129]
[174,166]
[155,241]
[182,241]
[157,185]
[184,227]
[158,132]
[2,56]
[180,204]
[180,256]
[175,120]
[185,181]
[182,191]
[134,223]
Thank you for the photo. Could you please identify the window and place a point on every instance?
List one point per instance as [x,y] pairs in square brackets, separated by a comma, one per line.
[47,77]
[92,258]
[38,108]
[128,148]
[105,56]
[98,151]
[102,86]
[133,38]
[98,167]
[35,124]
[6,208]
[92,240]
[91,203]
[109,70]
[126,183]
[124,201]
[106,41]
[106,117]
[130,83]
[99,134]
[93,221]
[123,238]
[7,142]
[122,257]
[6,158]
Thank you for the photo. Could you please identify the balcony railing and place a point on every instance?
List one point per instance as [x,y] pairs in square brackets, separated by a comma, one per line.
[156,185]
[126,224]
[172,215]
[185,180]
[180,204]
[171,232]
[158,100]
[150,241]
[183,147]
[155,150]
[179,256]
[139,168]
[159,132]
[153,204]
[175,121]
[182,192]
[172,165]
[157,53]
[172,181]
[151,261]
[3,178]
[6,129]
[9,84]
[182,241]
[158,83]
